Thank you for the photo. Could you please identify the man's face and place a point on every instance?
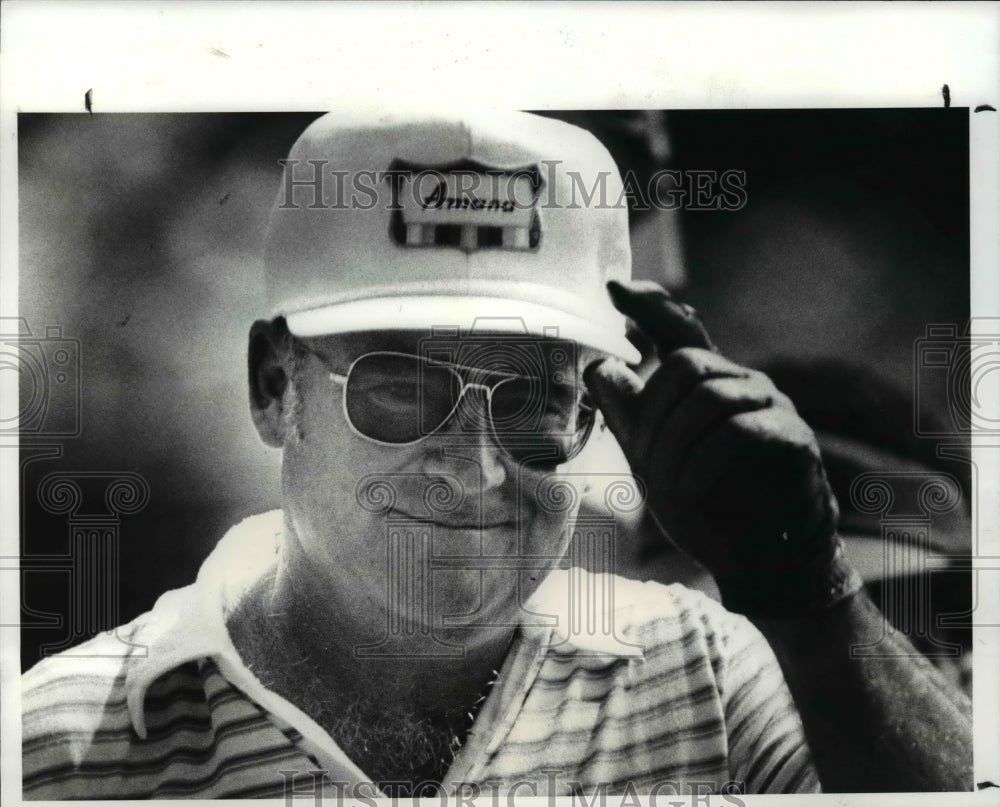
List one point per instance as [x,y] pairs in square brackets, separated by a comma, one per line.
[450,528]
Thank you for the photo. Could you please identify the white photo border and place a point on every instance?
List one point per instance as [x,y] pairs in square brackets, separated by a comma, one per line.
[271,56]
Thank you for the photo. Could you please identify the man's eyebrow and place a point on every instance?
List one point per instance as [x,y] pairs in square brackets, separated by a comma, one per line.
[345,348]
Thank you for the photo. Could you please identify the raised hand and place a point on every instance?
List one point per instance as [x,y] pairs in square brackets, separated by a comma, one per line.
[733,474]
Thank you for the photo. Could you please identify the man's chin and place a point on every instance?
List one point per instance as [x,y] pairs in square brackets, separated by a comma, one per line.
[466,605]
[485,600]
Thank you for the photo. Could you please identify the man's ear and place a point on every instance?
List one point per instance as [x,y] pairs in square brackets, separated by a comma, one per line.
[266,364]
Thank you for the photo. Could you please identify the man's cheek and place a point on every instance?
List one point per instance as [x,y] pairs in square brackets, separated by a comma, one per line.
[544,534]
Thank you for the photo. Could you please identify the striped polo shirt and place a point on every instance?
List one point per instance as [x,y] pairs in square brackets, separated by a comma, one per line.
[680,696]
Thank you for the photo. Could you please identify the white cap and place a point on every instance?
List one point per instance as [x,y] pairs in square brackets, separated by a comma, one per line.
[422,222]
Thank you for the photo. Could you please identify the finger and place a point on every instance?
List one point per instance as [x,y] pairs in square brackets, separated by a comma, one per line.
[708,405]
[673,381]
[615,390]
[681,372]
[669,323]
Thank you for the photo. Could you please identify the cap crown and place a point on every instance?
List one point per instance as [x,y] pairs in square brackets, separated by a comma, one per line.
[389,222]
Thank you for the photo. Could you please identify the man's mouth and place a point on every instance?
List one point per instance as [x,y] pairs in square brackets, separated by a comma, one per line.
[456,521]
[475,526]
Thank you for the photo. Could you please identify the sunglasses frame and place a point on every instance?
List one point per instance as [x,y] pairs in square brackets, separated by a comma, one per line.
[459,371]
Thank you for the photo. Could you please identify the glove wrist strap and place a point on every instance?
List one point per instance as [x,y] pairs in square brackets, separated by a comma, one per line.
[812,588]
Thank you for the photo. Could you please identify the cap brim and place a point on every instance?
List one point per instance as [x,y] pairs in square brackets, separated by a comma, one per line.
[473,314]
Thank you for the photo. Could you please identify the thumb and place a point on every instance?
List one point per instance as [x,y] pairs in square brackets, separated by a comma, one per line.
[615,389]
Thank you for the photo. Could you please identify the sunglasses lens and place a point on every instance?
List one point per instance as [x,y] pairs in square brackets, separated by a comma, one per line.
[395,398]
[540,425]
[399,399]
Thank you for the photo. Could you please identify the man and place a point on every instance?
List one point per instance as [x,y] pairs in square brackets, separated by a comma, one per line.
[441,343]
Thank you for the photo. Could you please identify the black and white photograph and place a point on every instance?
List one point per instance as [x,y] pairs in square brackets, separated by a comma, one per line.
[590,446]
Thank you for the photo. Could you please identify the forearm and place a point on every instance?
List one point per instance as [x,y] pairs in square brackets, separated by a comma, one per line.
[873,724]
[736,478]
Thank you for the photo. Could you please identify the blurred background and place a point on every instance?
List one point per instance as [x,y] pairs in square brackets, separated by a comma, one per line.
[140,245]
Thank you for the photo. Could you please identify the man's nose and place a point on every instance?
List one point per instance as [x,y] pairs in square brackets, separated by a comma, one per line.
[465,447]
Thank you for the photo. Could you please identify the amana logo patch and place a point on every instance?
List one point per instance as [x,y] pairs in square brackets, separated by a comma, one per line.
[466,205]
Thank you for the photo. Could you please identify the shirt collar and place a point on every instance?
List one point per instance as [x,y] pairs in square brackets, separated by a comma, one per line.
[586,614]
[189,623]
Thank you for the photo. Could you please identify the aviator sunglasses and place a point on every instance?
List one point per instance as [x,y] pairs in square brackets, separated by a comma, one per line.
[392,398]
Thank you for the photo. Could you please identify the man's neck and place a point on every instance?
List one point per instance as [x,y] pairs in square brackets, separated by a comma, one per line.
[398,718]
